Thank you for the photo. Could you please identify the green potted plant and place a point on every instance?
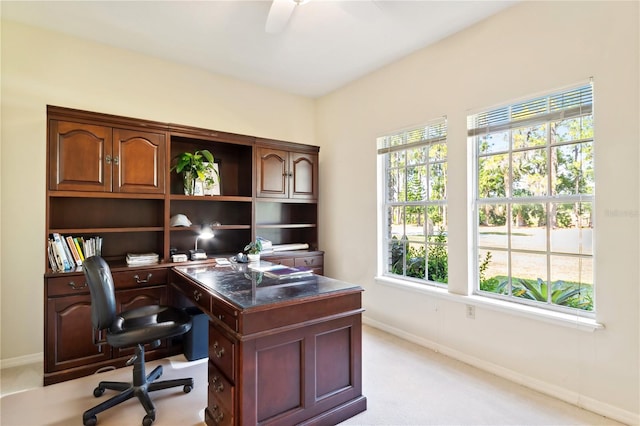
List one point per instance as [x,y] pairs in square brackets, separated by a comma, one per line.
[194,167]
[253,250]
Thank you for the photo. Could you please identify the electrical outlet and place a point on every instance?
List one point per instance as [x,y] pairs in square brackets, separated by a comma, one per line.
[471,311]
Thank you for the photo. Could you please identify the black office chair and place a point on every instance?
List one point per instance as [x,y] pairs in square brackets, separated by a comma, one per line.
[136,327]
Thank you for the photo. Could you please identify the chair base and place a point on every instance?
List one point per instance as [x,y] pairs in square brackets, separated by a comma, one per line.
[140,388]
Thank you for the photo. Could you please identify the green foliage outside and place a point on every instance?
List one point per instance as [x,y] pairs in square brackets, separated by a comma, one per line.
[563,293]
[437,262]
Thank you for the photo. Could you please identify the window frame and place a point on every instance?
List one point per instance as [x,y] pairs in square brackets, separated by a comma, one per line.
[495,120]
[433,133]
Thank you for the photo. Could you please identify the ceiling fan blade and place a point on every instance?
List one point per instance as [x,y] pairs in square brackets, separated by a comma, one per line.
[279,15]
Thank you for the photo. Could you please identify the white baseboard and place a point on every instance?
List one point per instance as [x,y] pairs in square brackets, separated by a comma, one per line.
[571,397]
[22,360]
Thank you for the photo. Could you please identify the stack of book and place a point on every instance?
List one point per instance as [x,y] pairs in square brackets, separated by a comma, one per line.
[137,259]
[66,253]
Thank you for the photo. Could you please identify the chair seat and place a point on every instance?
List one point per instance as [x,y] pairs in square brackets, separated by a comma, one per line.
[147,324]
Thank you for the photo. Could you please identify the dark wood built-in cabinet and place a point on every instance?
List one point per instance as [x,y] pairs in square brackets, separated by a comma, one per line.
[286,173]
[109,176]
[70,349]
[86,157]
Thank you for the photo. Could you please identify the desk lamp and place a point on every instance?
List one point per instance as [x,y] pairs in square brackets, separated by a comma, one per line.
[205,233]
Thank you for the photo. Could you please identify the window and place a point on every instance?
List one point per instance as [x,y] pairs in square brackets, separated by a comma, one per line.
[534,199]
[413,166]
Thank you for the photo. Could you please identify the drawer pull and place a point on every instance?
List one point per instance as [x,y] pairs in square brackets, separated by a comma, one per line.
[217,384]
[216,352]
[221,317]
[308,262]
[218,415]
[196,295]
[73,285]
[139,281]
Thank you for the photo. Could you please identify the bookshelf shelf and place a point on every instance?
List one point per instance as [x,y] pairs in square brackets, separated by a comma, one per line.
[84,231]
[211,198]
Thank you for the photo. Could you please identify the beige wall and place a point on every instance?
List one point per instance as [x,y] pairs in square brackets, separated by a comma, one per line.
[40,68]
[528,49]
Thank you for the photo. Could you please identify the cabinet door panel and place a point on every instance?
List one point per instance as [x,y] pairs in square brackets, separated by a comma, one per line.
[139,161]
[78,157]
[272,173]
[69,341]
[304,175]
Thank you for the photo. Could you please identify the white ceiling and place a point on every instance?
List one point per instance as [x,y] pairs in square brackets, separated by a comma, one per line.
[325,45]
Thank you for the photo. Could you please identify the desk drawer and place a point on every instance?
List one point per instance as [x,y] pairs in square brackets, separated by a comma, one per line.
[215,414]
[200,297]
[224,314]
[286,261]
[68,285]
[222,353]
[314,262]
[220,389]
[309,261]
[139,278]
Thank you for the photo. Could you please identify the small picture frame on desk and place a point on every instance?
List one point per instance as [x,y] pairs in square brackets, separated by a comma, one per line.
[212,183]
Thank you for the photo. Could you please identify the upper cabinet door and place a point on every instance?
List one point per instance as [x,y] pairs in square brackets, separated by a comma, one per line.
[303,176]
[93,158]
[285,174]
[78,155]
[272,173]
[138,161]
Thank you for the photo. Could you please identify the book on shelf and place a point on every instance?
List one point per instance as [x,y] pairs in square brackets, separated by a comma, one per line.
[61,256]
[289,272]
[73,250]
[53,261]
[77,241]
[67,253]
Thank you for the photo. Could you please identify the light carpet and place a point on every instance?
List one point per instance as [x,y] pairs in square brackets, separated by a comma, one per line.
[405,384]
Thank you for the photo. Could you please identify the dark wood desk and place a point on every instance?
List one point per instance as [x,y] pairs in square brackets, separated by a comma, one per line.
[281,352]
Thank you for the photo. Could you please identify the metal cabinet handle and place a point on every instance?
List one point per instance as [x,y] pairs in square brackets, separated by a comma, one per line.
[219,416]
[139,281]
[73,285]
[216,352]
[217,384]
[196,295]
[309,262]
[115,160]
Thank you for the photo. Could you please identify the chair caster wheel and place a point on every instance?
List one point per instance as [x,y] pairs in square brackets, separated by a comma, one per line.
[187,388]
[91,421]
[148,420]
[97,392]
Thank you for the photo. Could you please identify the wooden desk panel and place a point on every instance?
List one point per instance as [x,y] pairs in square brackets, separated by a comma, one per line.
[295,360]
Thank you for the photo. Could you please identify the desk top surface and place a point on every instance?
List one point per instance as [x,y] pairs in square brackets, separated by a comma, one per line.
[247,288]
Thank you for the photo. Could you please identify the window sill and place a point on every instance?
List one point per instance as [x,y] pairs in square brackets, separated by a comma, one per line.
[552,317]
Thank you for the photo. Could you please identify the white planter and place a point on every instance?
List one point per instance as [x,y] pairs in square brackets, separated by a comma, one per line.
[254,257]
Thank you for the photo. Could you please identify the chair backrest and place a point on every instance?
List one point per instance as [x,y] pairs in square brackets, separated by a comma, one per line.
[103,297]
